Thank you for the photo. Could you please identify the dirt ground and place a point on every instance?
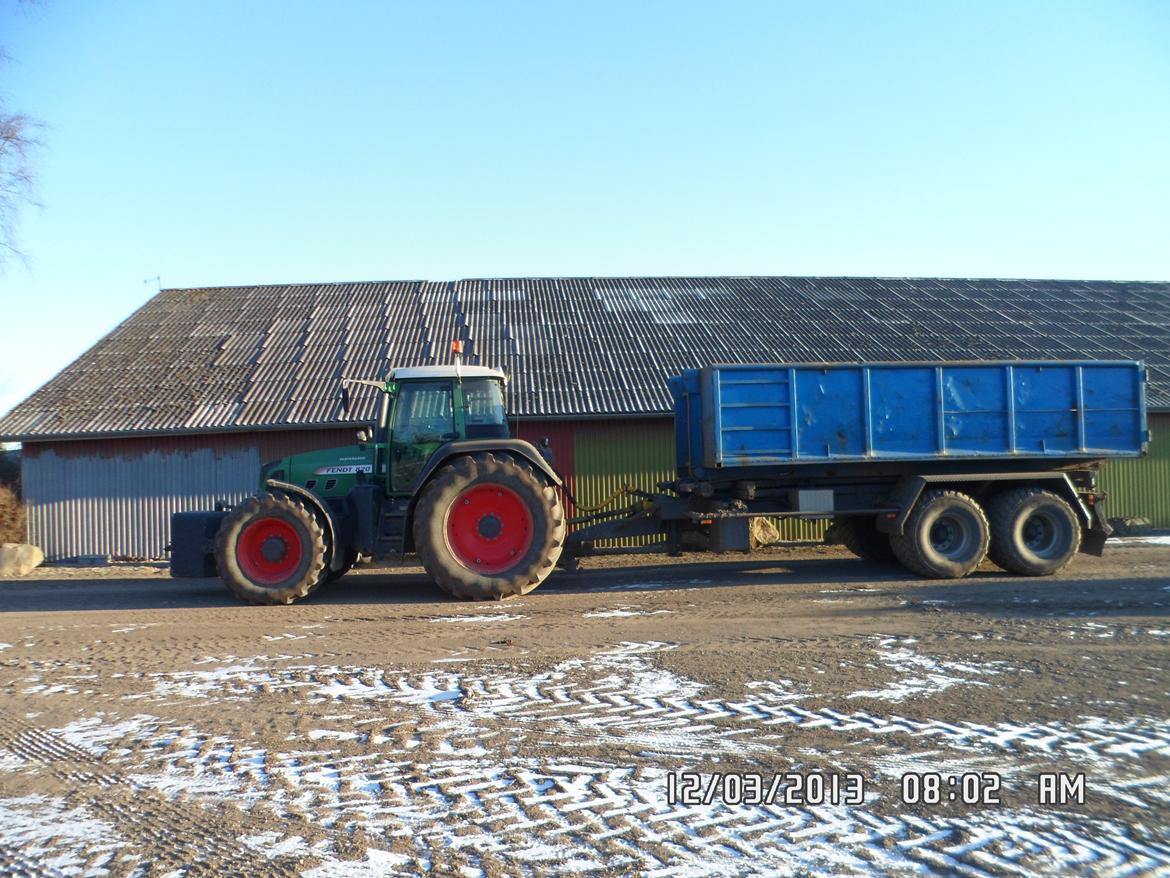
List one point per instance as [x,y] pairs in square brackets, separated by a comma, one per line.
[154,726]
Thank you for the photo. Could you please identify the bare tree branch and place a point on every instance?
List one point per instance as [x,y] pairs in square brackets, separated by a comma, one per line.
[18,141]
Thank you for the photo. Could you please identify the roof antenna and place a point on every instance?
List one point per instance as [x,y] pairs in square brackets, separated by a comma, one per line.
[157,279]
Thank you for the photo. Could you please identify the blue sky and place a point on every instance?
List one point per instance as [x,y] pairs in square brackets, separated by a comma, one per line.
[236,143]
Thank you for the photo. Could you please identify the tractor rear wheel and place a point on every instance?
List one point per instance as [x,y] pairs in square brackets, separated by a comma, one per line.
[271,550]
[486,528]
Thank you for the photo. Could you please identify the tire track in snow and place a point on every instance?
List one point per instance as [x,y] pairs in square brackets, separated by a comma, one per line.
[459,758]
[188,839]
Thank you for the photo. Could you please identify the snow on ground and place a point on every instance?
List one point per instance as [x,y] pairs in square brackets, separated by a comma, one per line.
[497,617]
[624,611]
[921,675]
[461,766]
[58,836]
[504,767]
[1132,542]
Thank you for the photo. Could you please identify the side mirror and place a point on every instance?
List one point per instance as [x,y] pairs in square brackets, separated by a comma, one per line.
[363,436]
[345,399]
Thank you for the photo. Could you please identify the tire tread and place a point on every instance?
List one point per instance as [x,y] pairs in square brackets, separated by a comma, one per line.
[1002,512]
[430,543]
[909,551]
[277,505]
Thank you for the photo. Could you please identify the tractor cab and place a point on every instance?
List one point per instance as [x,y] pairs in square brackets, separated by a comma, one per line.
[422,408]
[428,406]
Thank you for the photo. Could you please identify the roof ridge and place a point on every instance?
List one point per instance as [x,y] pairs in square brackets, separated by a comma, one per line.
[663,277]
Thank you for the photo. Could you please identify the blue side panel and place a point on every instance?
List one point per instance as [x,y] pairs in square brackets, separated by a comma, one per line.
[755,414]
[759,415]
[688,423]
[825,427]
[903,405]
[1046,409]
[975,406]
[1114,407]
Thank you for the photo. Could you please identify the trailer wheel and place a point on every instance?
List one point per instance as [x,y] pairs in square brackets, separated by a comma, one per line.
[1034,532]
[861,537]
[271,550]
[487,528]
[946,536]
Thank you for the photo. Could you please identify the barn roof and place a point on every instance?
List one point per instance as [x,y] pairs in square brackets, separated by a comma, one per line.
[228,358]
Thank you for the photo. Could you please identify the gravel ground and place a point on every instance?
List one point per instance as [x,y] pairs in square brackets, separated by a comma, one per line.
[640,716]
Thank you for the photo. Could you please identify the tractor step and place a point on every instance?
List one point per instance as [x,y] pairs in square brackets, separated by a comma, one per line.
[392,527]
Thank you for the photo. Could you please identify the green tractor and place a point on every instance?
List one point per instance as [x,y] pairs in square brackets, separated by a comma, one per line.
[440,477]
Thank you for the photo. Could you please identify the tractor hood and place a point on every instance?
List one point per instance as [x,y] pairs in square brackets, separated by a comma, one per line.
[327,473]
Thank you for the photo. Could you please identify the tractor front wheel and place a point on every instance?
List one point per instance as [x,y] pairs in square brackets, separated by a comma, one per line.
[486,528]
[271,550]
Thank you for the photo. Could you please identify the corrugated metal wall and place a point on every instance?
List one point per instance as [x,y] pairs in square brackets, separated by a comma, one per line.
[114,497]
[1142,487]
[560,435]
[638,452]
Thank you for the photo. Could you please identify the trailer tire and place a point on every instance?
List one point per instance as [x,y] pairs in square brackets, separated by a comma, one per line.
[487,527]
[861,537]
[271,550]
[1034,532]
[946,536]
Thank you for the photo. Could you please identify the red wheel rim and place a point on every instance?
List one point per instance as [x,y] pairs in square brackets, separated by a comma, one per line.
[269,550]
[489,528]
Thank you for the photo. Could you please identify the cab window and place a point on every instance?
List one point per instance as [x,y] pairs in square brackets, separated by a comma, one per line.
[423,412]
[485,417]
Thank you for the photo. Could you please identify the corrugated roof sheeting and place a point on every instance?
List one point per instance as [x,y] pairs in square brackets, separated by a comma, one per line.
[242,357]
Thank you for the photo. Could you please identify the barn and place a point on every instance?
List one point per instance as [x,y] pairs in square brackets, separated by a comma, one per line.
[178,406]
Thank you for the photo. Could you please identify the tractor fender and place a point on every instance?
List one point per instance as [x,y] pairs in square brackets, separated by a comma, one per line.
[336,561]
[459,448]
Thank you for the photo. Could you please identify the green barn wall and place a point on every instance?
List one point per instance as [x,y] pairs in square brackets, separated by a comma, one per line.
[608,455]
[640,453]
[1142,487]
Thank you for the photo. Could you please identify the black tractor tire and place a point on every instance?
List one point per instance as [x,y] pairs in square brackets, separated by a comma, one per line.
[490,504]
[1034,532]
[946,536]
[348,560]
[861,537]
[271,550]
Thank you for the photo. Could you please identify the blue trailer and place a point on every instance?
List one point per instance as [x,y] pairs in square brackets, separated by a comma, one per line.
[935,465]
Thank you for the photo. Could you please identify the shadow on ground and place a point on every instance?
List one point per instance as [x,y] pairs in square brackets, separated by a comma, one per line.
[986,591]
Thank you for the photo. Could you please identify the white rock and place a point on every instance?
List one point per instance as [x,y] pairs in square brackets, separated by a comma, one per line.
[19,559]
